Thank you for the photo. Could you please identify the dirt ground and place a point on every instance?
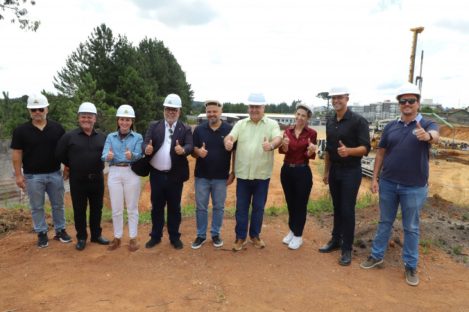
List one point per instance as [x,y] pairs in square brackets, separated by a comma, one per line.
[59,278]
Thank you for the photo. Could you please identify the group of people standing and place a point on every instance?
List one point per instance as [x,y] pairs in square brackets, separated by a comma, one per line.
[223,153]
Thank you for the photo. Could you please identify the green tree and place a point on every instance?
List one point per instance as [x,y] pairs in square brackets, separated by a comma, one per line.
[140,76]
[16,11]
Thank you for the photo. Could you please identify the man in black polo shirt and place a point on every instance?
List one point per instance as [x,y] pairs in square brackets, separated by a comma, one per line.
[80,150]
[212,173]
[33,144]
[348,139]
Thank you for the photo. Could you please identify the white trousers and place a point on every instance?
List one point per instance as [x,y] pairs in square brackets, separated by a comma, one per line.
[123,183]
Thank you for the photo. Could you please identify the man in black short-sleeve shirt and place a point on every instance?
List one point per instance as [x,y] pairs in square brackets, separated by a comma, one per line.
[37,170]
[348,140]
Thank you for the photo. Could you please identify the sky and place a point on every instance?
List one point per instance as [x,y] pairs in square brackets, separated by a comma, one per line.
[288,50]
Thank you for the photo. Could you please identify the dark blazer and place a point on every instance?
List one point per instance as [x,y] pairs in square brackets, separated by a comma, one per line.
[183,133]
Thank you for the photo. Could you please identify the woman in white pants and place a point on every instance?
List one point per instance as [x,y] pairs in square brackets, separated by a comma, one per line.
[121,149]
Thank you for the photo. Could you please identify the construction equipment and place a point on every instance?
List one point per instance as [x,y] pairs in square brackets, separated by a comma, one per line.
[416,31]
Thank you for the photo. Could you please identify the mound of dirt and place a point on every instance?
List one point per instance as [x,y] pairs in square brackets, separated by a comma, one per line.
[460,132]
[13,219]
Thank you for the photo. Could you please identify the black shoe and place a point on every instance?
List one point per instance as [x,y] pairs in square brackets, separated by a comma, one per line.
[217,241]
[81,244]
[177,244]
[346,258]
[333,244]
[62,236]
[100,240]
[42,240]
[198,242]
[152,242]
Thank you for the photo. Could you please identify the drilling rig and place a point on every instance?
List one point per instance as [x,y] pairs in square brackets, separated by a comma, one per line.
[418,80]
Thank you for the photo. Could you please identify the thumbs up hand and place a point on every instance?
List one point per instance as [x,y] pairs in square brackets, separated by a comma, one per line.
[149,148]
[342,150]
[266,146]
[311,147]
[202,151]
[228,143]
[110,154]
[128,153]
[285,142]
[179,149]
[420,133]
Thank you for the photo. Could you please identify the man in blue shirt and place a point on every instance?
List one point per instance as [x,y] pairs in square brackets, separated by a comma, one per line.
[212,172]
[403,155]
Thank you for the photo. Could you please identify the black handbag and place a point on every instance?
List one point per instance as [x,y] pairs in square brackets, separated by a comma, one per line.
[142,166]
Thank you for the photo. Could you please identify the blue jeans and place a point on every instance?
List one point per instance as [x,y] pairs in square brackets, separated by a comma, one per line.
[411,199]
[37,186]
[203,189]
[250,192]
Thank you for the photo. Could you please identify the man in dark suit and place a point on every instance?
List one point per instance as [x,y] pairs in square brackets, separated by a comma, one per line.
[168,142]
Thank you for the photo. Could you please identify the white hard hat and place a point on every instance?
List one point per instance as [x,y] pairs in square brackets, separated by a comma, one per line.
[339,91]
[87,107]
[173,100]
[125,110]
[218,103]
[304,106]
[37,101]
[256,99]
[408,88]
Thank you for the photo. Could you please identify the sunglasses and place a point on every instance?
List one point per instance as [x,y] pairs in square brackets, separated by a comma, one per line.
[33,110]
[410,101]
[170,133]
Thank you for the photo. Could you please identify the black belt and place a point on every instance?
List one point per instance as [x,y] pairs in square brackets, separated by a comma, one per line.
[161,171]
[123,164]
[295,165]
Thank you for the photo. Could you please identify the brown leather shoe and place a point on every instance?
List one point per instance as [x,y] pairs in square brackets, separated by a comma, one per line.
[133,245]
[239,244]
[257,242]
[116,242]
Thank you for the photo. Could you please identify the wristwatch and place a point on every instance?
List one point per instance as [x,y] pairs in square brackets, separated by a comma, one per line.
[272,147]
[431,137]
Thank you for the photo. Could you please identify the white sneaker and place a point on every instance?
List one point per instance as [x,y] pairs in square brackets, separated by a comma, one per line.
[295,242]
[287,239]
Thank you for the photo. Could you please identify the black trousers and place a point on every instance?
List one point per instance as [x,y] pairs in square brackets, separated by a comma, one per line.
[344,183]
[296,183]
[84,190]
[165,192]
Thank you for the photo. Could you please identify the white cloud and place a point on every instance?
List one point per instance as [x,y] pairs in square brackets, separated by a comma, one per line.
[287,49]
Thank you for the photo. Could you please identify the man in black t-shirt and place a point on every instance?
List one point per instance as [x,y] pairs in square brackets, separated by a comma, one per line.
[37,171]
[212,173]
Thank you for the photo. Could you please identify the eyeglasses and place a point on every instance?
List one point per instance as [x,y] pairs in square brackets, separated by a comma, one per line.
[410,101]
[171,109]
[170,133]
[33,110]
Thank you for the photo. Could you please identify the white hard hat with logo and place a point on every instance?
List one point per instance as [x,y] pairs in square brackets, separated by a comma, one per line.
[408,88]
[125,110]
[87,107]
[339,91]
[256,99]
[37,101]
[305,106]
[172,100]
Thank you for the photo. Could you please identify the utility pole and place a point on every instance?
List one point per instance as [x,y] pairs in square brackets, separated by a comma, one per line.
[416,31]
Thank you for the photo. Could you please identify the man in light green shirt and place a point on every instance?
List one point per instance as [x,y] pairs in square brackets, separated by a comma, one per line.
[256,139]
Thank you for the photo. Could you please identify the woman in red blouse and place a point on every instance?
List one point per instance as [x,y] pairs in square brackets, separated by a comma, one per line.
[299,146]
